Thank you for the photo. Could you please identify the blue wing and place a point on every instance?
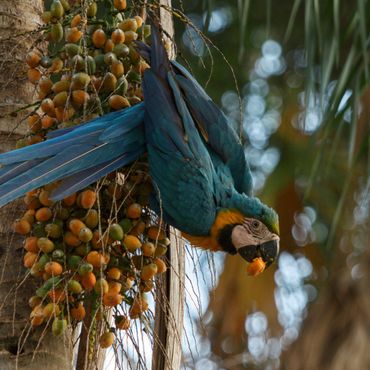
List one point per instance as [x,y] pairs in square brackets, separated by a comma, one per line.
[209,119]
[80,155]
[217,132]
[179,161]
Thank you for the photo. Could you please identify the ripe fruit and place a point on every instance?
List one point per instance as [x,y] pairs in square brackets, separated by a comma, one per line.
[80,97]
[51,309]
[30,244]
[118,36]
[148,271]
[129,24]
[114,273]
[78,313]
[161,266]
[22,226]
[256,267]
[87,199]
[70,200]
[53,268]
[76,20]
[75,225]
[99,38]
[29,259]
[134,211]
[117,102]
[122,322]
[132,243]
[71,239]
[88,281]
[101,287]
[33,59]
[155,233]
[96,259]
[120,4]
[45,245]
[106,339]
[73,34]
[33,75]
[111,299]
[43,214]
[148,249]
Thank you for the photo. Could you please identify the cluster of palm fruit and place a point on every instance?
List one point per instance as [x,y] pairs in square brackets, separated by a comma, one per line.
[98,248]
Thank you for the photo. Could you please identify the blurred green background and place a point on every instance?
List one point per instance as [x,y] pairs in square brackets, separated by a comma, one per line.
[293,78]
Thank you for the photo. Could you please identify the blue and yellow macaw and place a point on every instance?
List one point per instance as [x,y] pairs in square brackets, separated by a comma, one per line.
[196,162]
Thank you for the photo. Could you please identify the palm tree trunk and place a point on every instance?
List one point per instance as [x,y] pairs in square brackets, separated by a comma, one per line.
[20,346]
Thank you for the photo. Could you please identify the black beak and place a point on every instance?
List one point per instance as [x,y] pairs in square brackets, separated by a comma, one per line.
[267,251]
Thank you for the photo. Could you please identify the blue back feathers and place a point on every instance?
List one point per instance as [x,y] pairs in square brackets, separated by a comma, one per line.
[195,157]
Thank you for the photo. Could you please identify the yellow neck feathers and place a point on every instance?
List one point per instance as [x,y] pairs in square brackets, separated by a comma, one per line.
[223,218]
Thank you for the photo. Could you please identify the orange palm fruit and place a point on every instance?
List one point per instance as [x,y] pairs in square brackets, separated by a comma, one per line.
[75,225]
[99,38]
[44,198]
[78,313]
[51,309]
[155,233]
[108,46]
[114,273]
[118,36]
[114,287]
[80,97]
[73,35]
[132,243]
[139,21]
[29,259]
[70,200]
[47,106]
[43,214]
[76,20]
[106,339]
[87,199]
[71,239]
[256,267]
[33,75]
[111,299]
[22,226]
[53,268]
[57,295]
[120,4]
[45,84]
[33,59]
[161,266]
[148,271]
[47,122]
[30,244]
[34,122]
[128,24]
[118,69]
[96,259]
[148,249]
[88,281]
[64,114]
[122,322]
[134,210]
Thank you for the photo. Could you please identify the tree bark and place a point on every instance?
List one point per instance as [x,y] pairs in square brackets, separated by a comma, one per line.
[20,346]
[170,287]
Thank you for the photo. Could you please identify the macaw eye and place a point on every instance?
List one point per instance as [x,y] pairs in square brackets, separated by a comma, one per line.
[255,225]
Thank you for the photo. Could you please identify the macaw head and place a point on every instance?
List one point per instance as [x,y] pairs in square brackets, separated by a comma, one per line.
[256,239]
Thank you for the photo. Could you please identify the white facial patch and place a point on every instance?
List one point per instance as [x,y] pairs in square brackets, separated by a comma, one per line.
[240,237]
